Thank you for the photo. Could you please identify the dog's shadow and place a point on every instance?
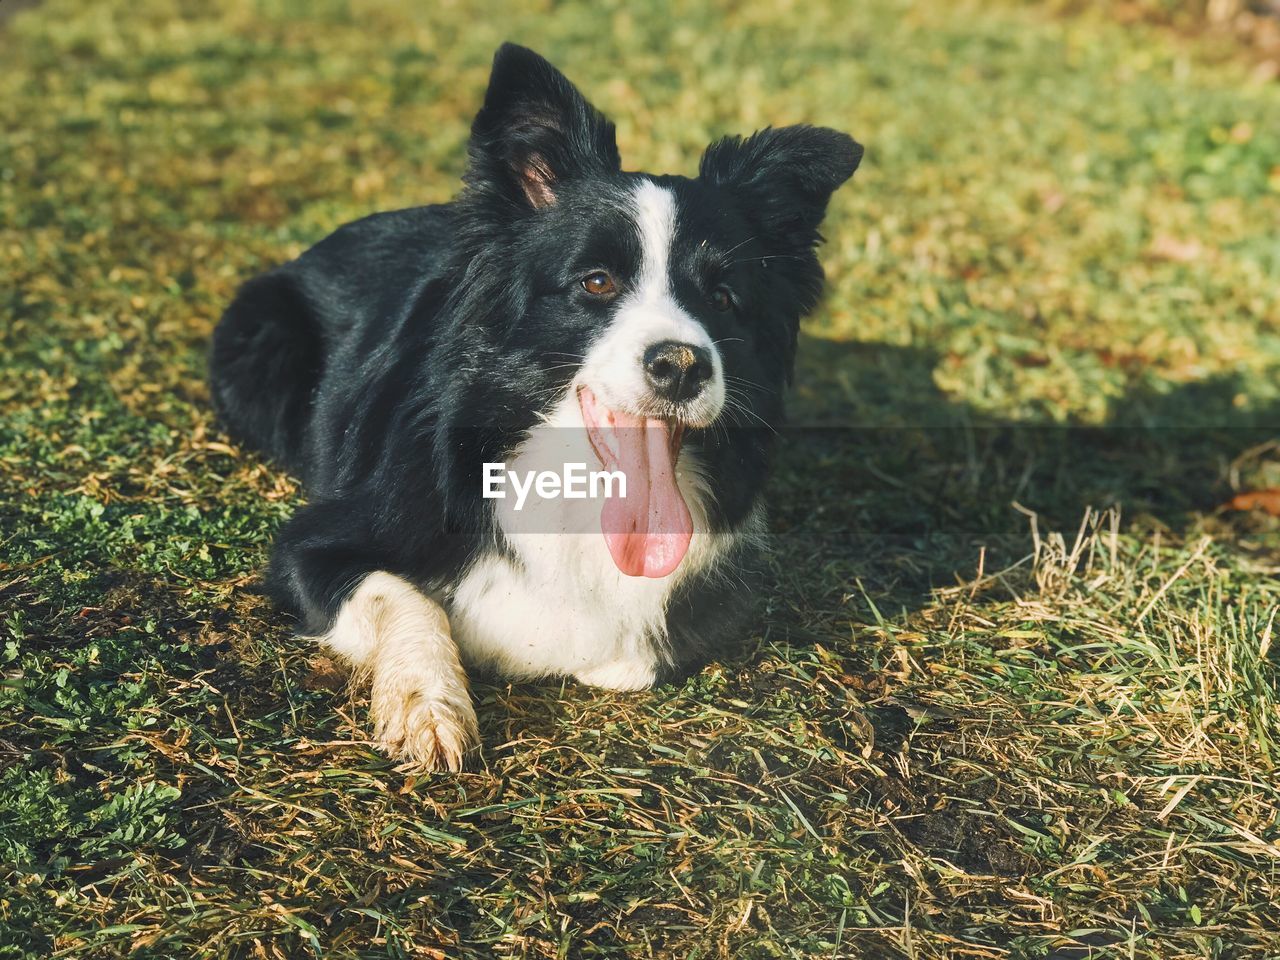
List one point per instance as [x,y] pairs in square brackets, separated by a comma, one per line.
[886,485]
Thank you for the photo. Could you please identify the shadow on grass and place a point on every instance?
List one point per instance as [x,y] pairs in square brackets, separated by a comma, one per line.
[887,486]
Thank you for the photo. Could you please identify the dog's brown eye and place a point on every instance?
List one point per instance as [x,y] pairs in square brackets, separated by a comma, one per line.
[599,284]
[721,299]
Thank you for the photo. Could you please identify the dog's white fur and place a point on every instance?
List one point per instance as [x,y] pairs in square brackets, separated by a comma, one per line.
[556,603]
[553,602]
[419,700]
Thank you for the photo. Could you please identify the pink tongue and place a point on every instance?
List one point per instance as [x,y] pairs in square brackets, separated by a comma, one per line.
[647,531]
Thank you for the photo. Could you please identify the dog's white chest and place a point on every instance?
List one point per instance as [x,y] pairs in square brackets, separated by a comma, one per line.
[557,609]
[555,603]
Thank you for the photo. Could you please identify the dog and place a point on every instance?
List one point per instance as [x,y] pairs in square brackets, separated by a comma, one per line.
[417,369]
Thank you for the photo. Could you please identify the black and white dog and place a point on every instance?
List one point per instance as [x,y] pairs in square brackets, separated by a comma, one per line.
[560,311]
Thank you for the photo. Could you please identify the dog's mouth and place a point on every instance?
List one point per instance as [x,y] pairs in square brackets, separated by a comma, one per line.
[649,530]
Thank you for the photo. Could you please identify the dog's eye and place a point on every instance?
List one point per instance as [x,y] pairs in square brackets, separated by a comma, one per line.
[721,299]
[599,284]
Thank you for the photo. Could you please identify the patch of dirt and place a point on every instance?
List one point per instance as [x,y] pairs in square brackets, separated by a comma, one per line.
[979,844]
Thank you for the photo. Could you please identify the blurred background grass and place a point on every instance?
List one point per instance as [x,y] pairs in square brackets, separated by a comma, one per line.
[1066,219]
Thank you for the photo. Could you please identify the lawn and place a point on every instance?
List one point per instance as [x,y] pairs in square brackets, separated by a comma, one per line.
[1014,689]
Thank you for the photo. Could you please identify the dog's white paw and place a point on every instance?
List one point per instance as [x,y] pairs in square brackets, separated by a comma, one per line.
[623,674]
[400,638]
[433,728]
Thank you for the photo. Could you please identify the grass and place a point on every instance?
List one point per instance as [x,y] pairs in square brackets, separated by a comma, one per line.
[1014,690]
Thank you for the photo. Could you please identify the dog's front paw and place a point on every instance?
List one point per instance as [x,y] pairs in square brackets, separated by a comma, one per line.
[433,728]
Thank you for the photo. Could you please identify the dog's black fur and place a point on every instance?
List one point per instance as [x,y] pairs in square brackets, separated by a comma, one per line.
[392,359]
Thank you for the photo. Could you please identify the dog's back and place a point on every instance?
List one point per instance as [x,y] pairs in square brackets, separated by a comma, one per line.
[269,351]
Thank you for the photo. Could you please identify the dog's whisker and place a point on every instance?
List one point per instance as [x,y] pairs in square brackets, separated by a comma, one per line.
[736,247]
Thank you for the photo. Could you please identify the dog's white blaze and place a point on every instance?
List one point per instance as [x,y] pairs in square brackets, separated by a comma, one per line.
[656,222]
[648,314]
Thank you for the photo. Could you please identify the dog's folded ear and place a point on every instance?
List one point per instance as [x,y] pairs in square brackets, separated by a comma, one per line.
[784,176]
[535,131]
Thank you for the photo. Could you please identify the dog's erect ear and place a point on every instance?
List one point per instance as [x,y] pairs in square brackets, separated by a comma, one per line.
[534,131]
[784,176]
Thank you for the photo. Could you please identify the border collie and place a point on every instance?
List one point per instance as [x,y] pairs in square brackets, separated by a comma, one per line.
[559,311]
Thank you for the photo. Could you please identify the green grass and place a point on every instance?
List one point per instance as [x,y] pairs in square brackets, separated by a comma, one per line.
[954,733]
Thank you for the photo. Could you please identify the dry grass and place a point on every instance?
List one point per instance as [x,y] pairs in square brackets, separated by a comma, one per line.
[970,723]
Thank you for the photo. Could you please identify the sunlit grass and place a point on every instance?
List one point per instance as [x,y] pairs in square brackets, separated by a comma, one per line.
[957,731]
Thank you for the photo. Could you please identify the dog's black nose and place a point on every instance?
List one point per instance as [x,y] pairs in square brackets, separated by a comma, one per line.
[676,371]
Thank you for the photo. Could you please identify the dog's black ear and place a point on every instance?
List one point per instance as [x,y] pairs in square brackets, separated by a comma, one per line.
[784,176]
[535,130]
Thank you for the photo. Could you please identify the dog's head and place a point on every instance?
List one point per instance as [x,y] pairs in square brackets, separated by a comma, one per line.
[657,302]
